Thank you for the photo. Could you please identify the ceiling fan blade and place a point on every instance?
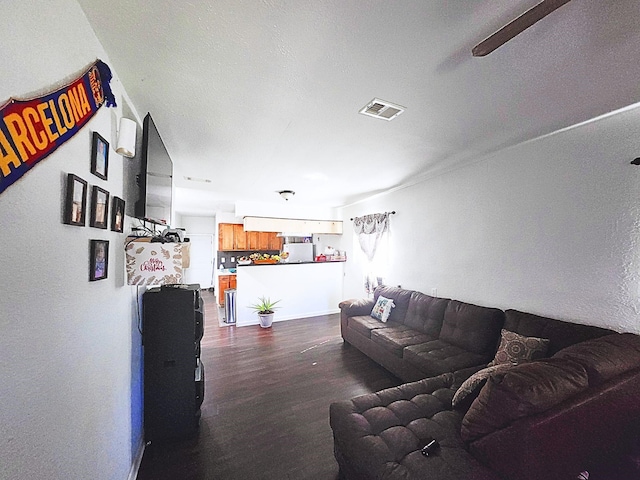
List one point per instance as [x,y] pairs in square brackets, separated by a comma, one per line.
[517,26]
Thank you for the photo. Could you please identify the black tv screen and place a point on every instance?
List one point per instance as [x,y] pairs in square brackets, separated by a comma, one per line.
[156,177]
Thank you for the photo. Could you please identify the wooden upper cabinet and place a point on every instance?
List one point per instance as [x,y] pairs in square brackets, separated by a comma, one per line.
[253,241]
[225,236]
[263,240]
[239,237]
[275,242]
[231,236]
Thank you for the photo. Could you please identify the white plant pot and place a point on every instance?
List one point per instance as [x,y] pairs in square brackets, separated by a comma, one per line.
[266,319]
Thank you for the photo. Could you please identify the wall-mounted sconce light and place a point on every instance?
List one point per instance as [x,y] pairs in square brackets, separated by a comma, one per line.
[287,194]
[127,138]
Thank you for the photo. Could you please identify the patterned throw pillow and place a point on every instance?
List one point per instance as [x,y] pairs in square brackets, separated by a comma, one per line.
[516,348]
[470,388]
[382,308]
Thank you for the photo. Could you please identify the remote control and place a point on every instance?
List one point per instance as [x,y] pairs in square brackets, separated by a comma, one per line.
[430,447]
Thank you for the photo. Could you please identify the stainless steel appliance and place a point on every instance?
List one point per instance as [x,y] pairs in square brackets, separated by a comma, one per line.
[299,252]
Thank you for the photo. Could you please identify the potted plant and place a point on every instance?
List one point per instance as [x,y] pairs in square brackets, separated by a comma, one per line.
[265,309]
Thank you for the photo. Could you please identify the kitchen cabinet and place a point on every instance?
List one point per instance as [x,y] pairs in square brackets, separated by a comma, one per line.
[239,237]
[225,282]
[225,236]
[253,241]
[264,224]
[263,241]
[231,236]
[275,242]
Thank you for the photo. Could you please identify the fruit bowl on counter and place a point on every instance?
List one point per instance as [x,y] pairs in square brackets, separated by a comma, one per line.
[264,258]
[244,261]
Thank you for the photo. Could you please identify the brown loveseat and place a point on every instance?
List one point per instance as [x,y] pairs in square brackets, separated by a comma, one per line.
[576,410]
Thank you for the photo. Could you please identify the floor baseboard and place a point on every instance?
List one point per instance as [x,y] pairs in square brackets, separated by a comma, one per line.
[135,466]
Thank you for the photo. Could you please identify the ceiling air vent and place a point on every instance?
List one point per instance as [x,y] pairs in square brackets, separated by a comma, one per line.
[382,109]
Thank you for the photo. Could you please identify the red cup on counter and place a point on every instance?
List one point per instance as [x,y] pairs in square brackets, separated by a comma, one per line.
[321,258]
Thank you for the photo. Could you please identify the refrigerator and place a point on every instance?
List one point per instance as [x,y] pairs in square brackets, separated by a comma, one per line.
[299,252]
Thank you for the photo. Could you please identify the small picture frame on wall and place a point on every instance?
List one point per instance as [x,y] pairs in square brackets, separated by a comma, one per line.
[99,207]
[117,214]
[98,260]
[99,156]
[75,204]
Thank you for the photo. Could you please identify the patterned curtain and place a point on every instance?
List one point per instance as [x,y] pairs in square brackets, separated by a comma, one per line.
[369,230]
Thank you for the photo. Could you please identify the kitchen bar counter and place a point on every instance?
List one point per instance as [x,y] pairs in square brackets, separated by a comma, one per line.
[289,263]
[304,289]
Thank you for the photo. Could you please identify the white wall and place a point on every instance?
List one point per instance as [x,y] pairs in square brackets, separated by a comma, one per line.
[198,224]
[69,368]
[551,226]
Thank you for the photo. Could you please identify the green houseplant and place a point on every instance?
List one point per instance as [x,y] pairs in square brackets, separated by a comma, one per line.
[265,309]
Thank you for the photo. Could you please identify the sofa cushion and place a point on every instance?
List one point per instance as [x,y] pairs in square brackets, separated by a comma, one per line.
[426,313]
[560,334]
[516,348]
[396,337]
[379,435]
[436,357]
[363,324]
[400,298]
[382,308]
[523,390]
[471,387]
[605,357]
[471,327]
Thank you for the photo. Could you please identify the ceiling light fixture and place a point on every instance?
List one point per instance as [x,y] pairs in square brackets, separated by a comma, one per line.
[287,194]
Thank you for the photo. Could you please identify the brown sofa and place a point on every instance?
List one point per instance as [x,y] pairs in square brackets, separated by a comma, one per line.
[424,336]
[576,410]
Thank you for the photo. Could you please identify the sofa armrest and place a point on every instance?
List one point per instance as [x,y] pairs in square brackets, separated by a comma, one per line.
[356,306]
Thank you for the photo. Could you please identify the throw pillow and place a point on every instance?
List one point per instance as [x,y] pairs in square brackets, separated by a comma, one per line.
[382,308]
[470,388]
[523,390]
[516,348]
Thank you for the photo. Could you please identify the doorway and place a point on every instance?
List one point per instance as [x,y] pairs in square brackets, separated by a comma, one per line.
[201,264]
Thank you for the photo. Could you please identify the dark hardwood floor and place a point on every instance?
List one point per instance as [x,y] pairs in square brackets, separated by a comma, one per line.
[266,409]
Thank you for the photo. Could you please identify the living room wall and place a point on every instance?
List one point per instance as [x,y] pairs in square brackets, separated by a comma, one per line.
[550,226]
[70,363]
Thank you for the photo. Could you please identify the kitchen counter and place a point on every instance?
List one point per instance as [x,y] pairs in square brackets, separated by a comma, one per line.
[227,271]
[290,263]
[304,289]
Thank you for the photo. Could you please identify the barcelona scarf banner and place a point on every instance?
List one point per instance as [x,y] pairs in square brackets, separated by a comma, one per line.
[32,129]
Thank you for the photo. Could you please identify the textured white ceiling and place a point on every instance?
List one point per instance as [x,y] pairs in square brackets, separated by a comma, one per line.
[260,96]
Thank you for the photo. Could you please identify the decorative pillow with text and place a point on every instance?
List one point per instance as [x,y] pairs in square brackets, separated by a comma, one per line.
[382,309]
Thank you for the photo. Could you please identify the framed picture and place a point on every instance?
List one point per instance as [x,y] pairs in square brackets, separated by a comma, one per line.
[75,205]
[117,214]
[99,156]
[98,260]
[99,207]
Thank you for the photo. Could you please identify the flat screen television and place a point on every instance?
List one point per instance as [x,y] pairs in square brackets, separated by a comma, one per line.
[155,180]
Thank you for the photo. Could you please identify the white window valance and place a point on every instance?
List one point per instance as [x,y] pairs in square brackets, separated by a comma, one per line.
[369,229]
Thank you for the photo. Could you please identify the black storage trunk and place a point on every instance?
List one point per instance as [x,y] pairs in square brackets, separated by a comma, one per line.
[173,324]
